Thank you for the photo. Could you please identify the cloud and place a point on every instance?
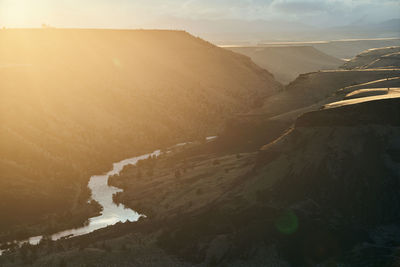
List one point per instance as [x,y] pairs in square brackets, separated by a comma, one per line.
[224,8]
[300,7]
[128,13]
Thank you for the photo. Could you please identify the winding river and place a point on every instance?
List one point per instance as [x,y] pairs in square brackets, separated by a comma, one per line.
[103,193]
[112,213]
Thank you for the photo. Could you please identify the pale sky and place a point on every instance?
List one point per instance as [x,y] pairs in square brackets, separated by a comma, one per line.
[152,13]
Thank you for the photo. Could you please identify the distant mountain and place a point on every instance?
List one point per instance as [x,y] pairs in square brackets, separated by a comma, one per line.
[389,28]
[287,62]
[232,25]
[228,31]
[348,49]
[390,25]
[343,49]
[240,31]
[74,101]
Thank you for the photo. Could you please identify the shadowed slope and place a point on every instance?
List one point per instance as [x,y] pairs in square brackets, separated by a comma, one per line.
[74,101]
[385,57]
[312,88]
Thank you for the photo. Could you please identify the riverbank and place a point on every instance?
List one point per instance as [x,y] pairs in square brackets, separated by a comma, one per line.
[178,183]
[102,212]
[51,224]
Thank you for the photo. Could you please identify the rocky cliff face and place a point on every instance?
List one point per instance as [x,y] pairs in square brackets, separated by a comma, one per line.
[379,110]
[385,57]
[341,173]
[326,192]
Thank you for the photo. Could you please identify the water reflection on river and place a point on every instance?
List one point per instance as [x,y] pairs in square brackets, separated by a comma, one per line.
[101,192]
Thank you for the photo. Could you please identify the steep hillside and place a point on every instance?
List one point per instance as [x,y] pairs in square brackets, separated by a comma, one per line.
[385,57]
[287,62]
[371,92]
[309,178]
[74,101]
[312,88]
[247,132]
[341,178]
[382,83]
[329,187]
[386,61]
[324,193]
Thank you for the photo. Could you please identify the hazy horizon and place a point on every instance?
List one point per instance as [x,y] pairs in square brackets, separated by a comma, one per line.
[181,13]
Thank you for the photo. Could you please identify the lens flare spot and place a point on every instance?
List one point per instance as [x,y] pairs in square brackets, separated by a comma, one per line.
[117,62]
[287,223]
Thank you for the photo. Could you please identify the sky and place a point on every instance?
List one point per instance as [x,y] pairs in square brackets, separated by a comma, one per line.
[154,13]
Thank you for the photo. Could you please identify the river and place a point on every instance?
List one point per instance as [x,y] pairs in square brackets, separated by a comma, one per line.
[112,213]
